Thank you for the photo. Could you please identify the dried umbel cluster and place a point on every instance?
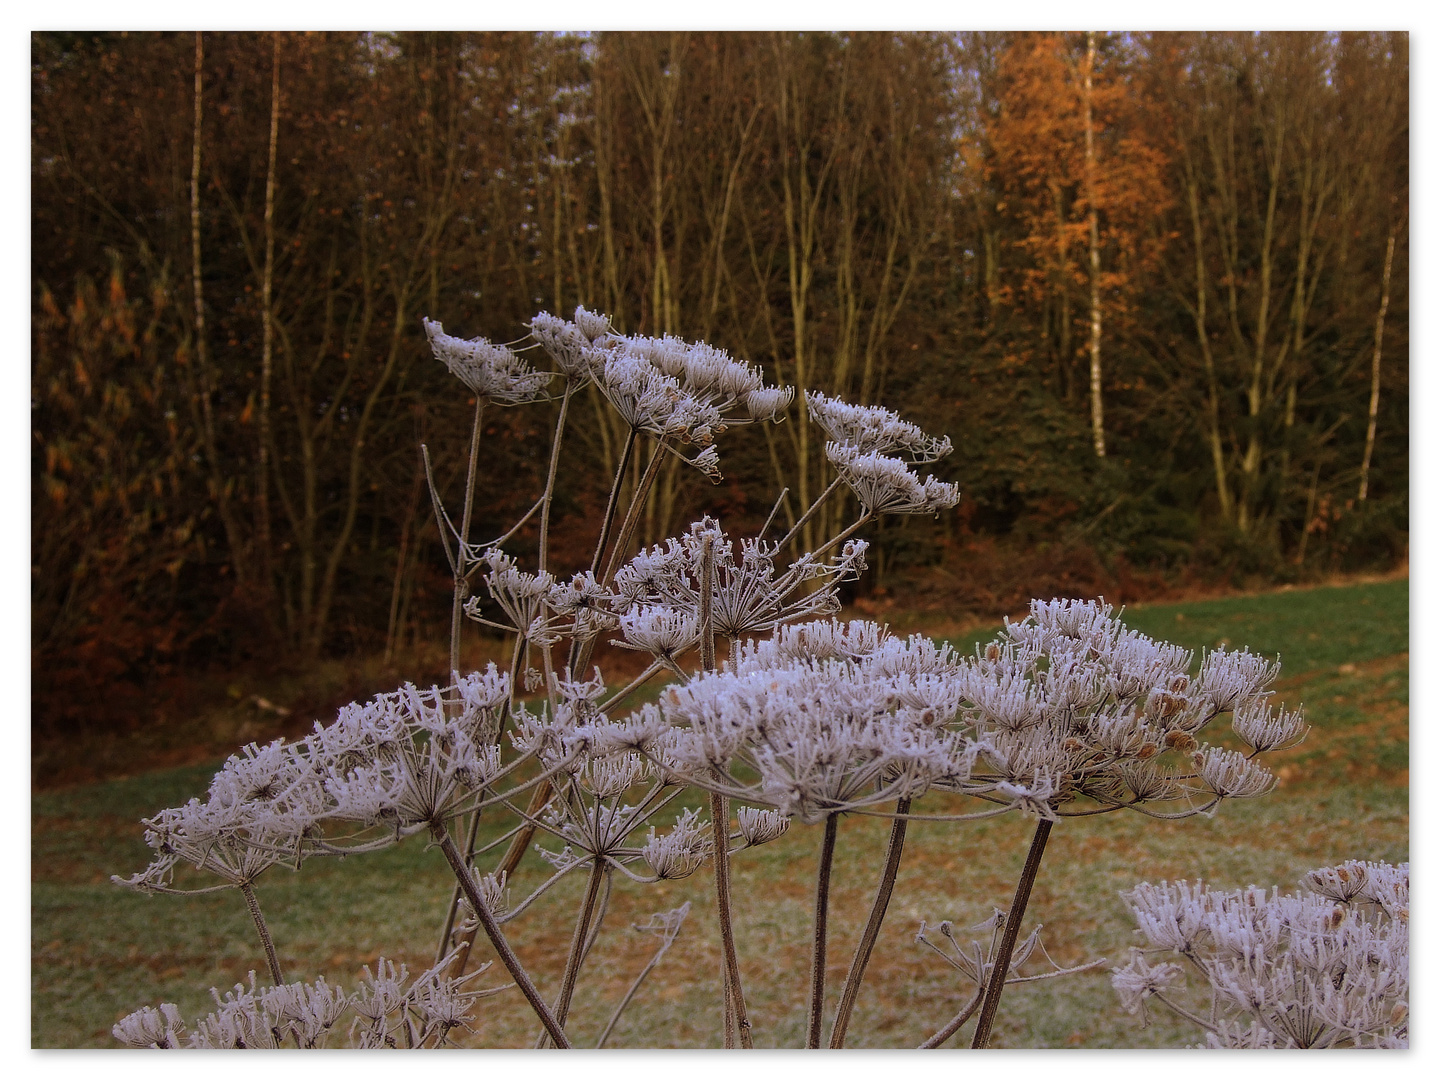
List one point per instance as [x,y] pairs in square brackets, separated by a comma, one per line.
[1328,966]
[387,768]
[1079,714]
[1068,714]
[775,713]
[382,1012]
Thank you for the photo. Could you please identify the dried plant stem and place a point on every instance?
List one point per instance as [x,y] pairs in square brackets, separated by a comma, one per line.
[729,1009]
[441,518]
[860,521]
[800,524]
[940,1037]
[773,511]
[1013,918]
[581,657]
[665,944]
[634,684]
[462,585]
[851,991]
[603,910]
[518,846]
[548,498]
[253,903]
[822,905]
[707,603]
[457,966]
[579,942]
[614,501]
[497,936]
[735,993]
[513,854]
[632,515]
[1183,1012]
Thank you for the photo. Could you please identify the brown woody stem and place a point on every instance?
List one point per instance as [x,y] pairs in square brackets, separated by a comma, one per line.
[851,990]
[735,994]
[507,955]
[578,943]
[822,904]
[253,903]
[939,1038]
[1013,918]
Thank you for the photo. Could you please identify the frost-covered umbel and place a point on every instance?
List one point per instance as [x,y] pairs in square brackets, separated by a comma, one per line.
[382,1012]
[871,429]
[391,766]
[666,387]
[1068,713]
[818,735]
[1072,708]
[1328,966]
[492,371]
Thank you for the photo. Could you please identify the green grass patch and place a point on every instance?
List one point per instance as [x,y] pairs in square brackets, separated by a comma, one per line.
[99,952]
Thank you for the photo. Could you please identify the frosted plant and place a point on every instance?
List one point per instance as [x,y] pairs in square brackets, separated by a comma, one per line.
[887,485]
[492,371]
[1328,966]
[149,1028]
[383,1011]
[872,429]
[771,702]
[976,960]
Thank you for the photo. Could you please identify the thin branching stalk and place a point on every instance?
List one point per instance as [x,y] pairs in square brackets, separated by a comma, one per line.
[253,903]
[603,909]
[822,905]
[457,966]
[800,524]
[720,822]
[578,941]
[665,943]
[859,522]
[1183,1012]
[548,499]
[634,684]
[501,540]
[707,604]
[502,947]
[462,586]
[956,1023]
[735,992]
[773,511]
[442,519]
[1013,919]
[613,503]
[851,991]
[521,843]
[632,515]
[581,657]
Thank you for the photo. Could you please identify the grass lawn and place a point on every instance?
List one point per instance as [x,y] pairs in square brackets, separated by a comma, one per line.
[98,952]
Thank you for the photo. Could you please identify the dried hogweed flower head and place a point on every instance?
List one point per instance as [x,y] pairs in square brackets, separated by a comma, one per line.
[493,372]
[1325,967]
[571,345]
[1071,704]
[872,429]
[887,485]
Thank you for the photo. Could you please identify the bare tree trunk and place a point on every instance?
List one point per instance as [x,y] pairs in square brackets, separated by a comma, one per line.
[1097,409]
[402,559]
[1375,369]
[803,201]
[220,489]
[1256,397]
[267,336]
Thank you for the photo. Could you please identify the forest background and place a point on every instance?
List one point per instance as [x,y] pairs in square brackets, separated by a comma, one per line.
[1153,286]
